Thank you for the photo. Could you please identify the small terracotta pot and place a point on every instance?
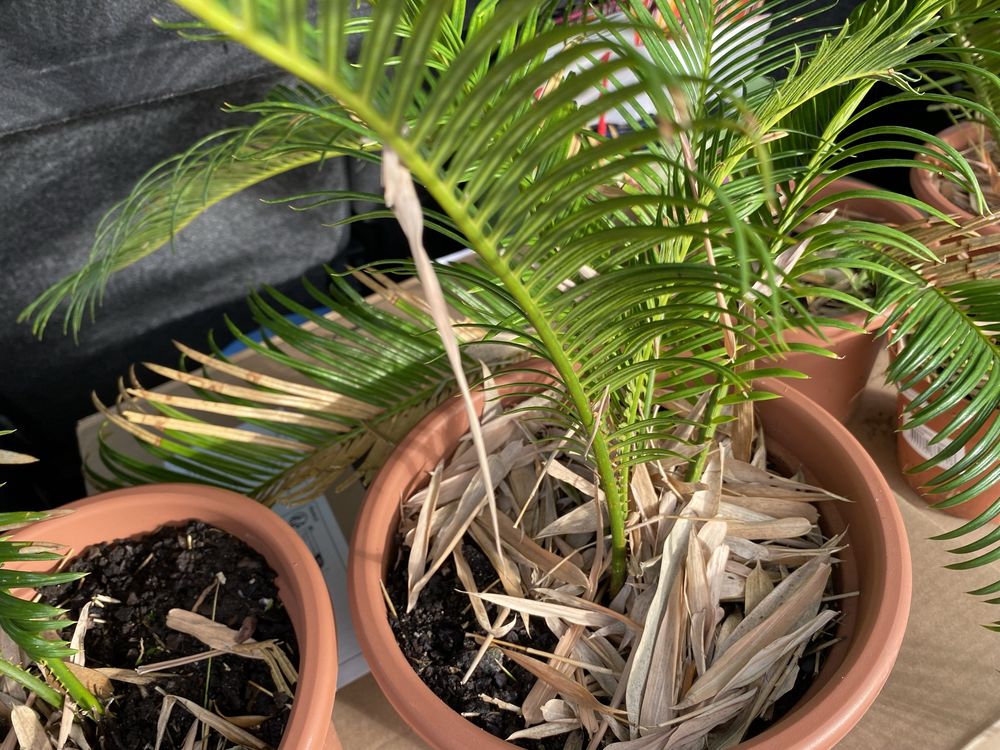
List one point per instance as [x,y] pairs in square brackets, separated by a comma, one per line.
[913,448]
[835,384]
[140,510]
[876,563]
[927,186]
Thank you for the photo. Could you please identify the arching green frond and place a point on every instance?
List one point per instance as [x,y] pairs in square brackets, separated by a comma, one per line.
[292,129]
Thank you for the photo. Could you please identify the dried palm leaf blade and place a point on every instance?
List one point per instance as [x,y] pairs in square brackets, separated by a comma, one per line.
[225,728]
[694,729]
[688,730]
[226,640]
[771,654]
[746,476]
[548,729]
[448,491]
[473,500]
[594,668]
[588,659]
[547,563]
[11,652]
[245,722]
[541,692]
[807,581]
[771,506]
[129,675]
[760,632]
[581,520]
[28,729]
[76,734]
[510,577]
[779,528]
[758,586]
[703,503]
[556,710]
[421,539]
[496,434]
[464,573]
[576,601]
[563,473]
[211,633]
[13,457]
[583,701]
[663,682]
[577,615]
[496,630]
[191,737]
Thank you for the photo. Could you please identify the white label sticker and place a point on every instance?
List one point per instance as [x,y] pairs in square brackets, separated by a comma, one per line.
[318,527]
[920,438]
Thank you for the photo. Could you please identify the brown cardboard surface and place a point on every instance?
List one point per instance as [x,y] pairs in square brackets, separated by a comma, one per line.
[945,687]
[944,690]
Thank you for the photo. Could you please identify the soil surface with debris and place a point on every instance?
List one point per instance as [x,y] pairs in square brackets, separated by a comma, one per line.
[176,567]
[433,639]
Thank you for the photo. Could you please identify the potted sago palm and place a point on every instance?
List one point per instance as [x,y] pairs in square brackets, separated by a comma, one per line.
[629,522]
[964,80]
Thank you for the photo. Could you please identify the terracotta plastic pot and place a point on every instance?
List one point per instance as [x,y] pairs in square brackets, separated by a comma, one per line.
[913,447]
[835,384]
[140,510]
[876,563]
[927,186]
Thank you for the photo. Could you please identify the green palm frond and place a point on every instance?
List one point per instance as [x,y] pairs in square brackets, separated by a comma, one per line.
[291,129]
[30,624]
[946,333]
[340,392]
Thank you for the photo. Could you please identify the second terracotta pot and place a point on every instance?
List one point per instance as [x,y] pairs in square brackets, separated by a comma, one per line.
[927,185]
[141,510]
[914,447]
[876,563]
[835,384]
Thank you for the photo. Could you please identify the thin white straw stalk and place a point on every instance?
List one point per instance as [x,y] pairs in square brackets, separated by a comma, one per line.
[401,197]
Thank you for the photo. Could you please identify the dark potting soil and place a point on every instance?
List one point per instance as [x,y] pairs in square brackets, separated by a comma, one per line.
[433,639]
[151,575]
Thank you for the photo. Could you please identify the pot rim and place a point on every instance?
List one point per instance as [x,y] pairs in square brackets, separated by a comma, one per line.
[820,721]
[140,510]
